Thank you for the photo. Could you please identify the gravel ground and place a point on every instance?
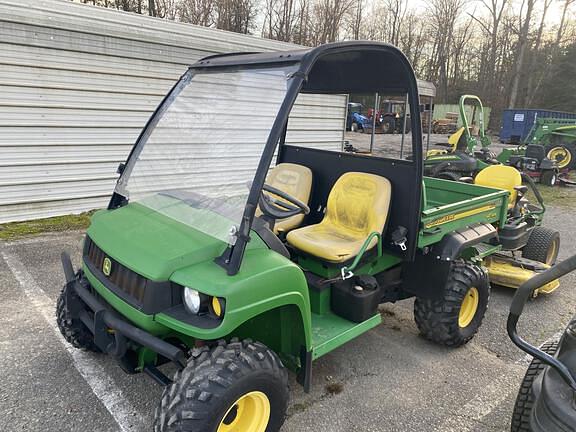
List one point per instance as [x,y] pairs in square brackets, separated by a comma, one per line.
[387,379]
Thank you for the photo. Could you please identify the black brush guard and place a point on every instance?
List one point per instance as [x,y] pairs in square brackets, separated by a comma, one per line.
[111,333]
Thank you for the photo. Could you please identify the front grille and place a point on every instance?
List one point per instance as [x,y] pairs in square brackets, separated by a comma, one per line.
[131,284]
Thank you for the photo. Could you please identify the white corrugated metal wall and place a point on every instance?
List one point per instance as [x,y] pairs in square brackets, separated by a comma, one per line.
[77,83]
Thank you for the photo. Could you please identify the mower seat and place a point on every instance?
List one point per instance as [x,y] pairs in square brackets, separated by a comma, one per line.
[295,180]
[457,142]
[357,206]
[501,177]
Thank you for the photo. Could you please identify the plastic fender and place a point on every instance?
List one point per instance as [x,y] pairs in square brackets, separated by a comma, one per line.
[265,281]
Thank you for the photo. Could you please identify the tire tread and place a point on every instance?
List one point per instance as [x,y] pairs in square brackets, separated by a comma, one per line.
[437,320]
[524,400]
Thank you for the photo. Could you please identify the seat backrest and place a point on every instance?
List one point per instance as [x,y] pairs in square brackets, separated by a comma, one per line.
[296,181]
[535,151]
[458,140]
[359,203]
[500,177]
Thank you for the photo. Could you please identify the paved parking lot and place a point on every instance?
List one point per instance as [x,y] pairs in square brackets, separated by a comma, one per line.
[389,379]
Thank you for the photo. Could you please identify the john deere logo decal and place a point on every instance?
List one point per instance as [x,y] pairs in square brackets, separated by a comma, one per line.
[107,266]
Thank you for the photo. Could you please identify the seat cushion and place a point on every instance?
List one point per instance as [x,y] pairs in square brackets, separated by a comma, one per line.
[327,242]
[500,177]
[357,206]
[296,181]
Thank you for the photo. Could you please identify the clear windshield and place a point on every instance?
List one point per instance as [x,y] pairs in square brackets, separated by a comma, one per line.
[198,162]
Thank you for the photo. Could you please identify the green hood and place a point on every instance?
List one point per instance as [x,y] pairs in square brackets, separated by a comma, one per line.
[150,243]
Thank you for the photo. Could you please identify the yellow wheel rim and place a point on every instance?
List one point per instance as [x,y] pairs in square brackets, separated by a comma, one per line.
[561,155]
[552,252]
[468,308]
[250,413]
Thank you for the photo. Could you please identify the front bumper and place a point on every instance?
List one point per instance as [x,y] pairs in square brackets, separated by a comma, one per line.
[112,334]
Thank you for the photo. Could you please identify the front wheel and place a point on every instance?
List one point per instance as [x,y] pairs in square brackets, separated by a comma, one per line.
[543,245]
[525,399]
[73,329]
[236,386]
[548,178]
[455,318]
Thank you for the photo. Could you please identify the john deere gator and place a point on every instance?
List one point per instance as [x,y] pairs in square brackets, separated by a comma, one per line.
[237,278]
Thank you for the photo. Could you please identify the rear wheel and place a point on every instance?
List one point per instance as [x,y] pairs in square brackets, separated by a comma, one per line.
[525,400]
[236,386]
[563,154]
[455,318]
[388,125]
[542,246]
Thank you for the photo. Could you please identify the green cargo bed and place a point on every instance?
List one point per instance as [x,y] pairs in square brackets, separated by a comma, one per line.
[449,205]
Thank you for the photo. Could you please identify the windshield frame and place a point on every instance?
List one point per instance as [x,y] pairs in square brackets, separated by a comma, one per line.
[303,64]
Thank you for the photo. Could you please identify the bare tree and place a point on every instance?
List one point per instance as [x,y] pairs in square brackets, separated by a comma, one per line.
[491,28]
[280,17]
[534,55]
[444,15]
[523,41]
[413,41]
[167,9]
[328,18]
[200,12]
[235,15]
[562,25]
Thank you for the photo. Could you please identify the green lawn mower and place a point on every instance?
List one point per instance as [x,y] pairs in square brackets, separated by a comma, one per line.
[464,160]
[237,256]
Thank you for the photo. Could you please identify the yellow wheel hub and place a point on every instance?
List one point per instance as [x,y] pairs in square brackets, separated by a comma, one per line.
[250,413]
[468,308]
[552,253]
[561,155]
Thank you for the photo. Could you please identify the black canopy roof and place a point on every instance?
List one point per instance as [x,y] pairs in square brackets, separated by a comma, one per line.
[340,67]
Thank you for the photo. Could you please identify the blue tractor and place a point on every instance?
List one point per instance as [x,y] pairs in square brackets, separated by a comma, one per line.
[355,120]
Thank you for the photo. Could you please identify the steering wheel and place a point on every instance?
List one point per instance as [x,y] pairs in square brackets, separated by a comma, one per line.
[278,209]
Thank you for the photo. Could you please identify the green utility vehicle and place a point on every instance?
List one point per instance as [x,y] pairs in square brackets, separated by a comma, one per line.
[239,252]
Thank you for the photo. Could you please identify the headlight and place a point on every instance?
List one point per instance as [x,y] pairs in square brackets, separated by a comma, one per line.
[192,300]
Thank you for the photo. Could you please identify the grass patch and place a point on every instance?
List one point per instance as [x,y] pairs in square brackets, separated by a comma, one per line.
[17,230]
[556,196]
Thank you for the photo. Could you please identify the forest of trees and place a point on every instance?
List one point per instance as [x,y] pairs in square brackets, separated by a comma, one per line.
[503,50]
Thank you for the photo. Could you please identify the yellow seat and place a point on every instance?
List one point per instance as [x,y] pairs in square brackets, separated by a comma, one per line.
[296,181]
[455,138]
[500,177]
[357,206]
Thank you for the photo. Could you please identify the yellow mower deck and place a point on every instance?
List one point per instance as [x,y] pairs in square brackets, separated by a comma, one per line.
[513,272]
